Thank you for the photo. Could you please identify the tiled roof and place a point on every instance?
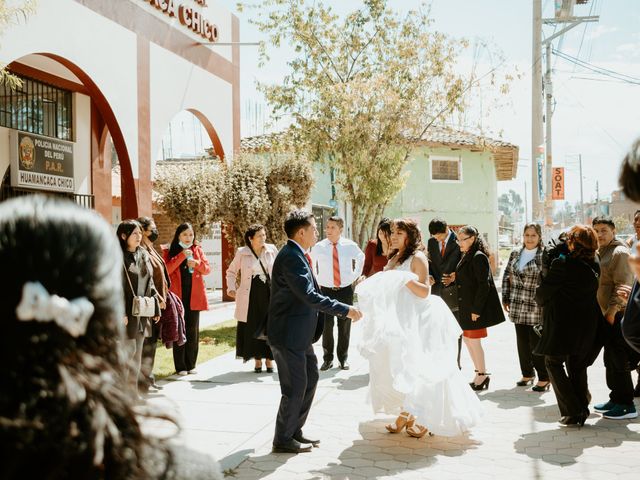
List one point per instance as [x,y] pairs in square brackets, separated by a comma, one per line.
[505,155]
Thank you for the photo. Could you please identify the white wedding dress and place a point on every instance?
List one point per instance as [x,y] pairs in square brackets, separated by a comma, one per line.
[412,344]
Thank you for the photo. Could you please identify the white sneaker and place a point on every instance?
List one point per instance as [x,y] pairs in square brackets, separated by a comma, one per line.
[193,370]
[182,373]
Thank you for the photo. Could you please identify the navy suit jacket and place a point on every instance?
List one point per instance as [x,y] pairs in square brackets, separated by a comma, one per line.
[438,264]
[631,320]
[295,301]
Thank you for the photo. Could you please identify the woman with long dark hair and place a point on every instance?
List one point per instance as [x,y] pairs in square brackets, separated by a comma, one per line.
[187,265]
[377,250]
[137,280]
[252,266]
[410,339]
[571,318]
[66,410]
[479,305]
[520,280]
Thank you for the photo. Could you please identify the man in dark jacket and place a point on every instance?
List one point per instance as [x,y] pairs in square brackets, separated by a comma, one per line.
[293,327]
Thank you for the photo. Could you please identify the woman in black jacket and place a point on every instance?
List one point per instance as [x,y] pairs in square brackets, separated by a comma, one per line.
[571,317]
[479,304]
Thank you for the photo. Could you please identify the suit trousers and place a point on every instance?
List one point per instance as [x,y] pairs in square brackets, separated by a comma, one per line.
[344,295]
[298,374]
[570,385]
[186,356]
[619,360]
[527,340]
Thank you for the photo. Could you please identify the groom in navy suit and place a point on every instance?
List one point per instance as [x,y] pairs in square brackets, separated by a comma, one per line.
[293,327]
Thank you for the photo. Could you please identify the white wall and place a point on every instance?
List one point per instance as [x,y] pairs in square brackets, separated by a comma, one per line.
[178,85]
[107,53]
[100,47]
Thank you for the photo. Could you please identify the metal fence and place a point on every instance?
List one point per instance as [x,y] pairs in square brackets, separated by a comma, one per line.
[84,200]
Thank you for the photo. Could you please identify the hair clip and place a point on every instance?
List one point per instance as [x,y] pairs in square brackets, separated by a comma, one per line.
[37,304]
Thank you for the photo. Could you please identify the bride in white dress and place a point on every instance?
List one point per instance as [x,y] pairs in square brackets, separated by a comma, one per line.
[411,341]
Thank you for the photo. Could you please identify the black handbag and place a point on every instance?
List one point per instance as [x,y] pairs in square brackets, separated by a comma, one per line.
[261,331]
[450,296]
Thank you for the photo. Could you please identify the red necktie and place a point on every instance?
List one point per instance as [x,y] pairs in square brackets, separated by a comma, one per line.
[336,267]
[444,247]
[308,257]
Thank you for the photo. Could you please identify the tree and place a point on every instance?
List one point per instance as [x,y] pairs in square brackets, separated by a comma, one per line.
[362,91]
[511,205]
[263,189]
[192,192]
[11,14]
[253,189]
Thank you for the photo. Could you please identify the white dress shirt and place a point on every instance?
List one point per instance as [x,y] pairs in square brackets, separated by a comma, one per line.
[351,262]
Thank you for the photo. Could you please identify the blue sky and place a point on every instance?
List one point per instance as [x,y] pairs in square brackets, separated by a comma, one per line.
[594,115]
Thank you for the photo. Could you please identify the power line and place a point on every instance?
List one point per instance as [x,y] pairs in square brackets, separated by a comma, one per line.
[599,70]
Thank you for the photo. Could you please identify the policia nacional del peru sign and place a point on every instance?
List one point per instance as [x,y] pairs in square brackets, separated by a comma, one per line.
[42,163]
[189,14]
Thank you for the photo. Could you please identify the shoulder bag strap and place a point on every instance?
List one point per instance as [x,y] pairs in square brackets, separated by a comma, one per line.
[128,278]
[261,265]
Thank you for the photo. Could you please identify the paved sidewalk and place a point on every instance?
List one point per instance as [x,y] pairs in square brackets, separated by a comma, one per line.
[229,411]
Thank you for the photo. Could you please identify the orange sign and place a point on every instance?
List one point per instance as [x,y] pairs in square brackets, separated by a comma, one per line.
[557,183]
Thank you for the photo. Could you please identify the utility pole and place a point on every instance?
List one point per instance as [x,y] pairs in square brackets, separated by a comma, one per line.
[536,111]
[564,16]
[526,207]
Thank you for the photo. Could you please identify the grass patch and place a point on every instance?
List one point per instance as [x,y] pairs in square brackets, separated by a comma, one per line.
[214,341]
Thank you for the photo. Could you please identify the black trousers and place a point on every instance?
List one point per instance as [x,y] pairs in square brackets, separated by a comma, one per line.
[298,374]
[619,360]
[568,375]
[146,377]
[185,356]
[527,340]
[344,295]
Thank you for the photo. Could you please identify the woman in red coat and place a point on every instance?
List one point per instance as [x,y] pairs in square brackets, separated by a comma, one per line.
[187,264]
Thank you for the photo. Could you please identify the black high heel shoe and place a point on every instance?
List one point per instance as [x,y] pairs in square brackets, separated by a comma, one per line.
[471,384]
[525,383]
[544,388]
[481,386]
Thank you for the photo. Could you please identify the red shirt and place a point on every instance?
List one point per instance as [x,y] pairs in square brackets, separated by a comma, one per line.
[373,263]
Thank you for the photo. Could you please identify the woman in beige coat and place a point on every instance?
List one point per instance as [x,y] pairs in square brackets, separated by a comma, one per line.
[249,282]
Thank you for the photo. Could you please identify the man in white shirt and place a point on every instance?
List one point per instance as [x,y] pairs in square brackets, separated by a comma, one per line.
[337,263]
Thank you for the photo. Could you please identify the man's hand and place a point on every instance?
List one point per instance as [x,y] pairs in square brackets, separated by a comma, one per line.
[475,317]
[506,307]
[156,319]
[354,314]
[232,294]
[623,291]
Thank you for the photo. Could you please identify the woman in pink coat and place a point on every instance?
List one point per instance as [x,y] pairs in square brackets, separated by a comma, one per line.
[254,263]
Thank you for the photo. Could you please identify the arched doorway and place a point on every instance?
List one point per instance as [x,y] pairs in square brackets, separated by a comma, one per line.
[190,137]
[53,70]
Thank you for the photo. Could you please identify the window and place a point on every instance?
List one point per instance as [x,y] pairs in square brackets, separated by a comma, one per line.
[38,108]
[446,169]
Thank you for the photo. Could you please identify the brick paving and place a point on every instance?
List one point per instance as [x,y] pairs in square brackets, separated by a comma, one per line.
[229,411]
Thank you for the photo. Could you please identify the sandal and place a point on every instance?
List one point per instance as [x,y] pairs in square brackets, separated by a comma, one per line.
[404,420]
[417,431]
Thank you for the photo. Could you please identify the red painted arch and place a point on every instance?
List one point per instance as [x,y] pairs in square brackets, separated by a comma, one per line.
[128,188]
[211,131]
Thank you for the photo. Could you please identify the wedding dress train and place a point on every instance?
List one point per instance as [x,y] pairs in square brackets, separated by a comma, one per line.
[412,344]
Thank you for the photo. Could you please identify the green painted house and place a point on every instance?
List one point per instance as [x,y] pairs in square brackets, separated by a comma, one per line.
[452,175]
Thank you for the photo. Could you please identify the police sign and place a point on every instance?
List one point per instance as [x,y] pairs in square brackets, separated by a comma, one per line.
[41,163]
